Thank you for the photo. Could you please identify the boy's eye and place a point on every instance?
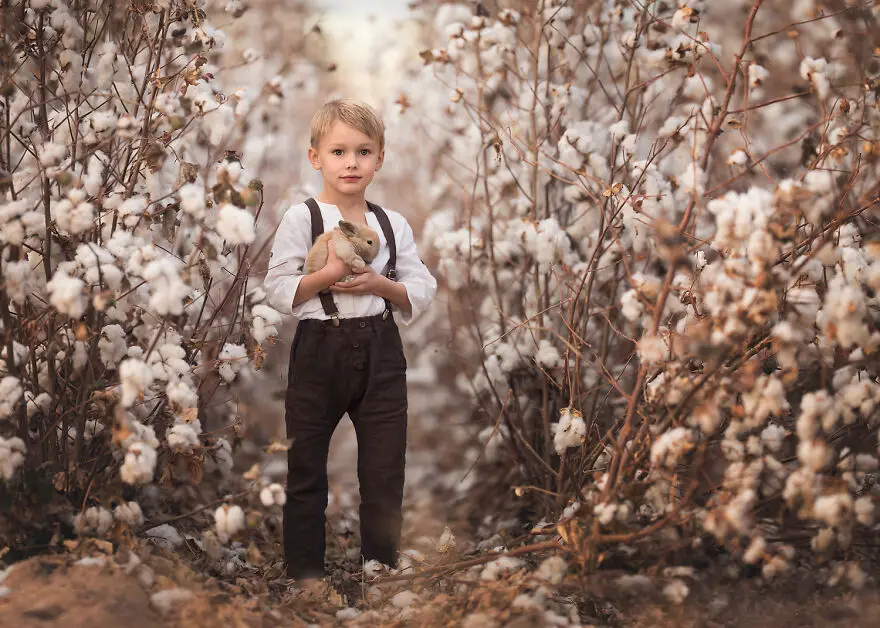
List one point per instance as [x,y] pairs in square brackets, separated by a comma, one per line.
[365,151]
[337,151]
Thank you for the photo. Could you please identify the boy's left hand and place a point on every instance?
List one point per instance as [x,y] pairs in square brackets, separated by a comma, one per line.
[366,281]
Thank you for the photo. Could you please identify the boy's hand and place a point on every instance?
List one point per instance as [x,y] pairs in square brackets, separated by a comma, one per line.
[366,281]
[335,267]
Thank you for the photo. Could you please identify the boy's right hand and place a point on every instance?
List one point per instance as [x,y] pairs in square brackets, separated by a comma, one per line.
[335,267]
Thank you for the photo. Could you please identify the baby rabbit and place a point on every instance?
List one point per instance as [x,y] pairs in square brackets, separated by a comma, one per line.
[355,245]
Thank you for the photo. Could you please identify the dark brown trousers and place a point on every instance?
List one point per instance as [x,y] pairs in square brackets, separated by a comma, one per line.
[359,368]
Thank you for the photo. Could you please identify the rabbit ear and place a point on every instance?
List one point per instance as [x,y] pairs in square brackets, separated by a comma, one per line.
[347,228]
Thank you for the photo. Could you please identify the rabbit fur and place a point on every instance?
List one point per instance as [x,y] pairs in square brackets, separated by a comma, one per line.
[355,245]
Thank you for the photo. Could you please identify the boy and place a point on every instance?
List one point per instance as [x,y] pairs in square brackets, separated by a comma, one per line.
[346,354]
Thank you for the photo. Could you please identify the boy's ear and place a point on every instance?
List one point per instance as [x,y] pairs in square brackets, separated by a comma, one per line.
[347,228]
[381,160]
[313,158]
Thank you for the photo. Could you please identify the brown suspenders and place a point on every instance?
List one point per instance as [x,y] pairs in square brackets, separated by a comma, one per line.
[389,271]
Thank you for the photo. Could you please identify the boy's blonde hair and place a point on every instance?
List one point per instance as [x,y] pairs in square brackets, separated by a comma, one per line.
[355,114]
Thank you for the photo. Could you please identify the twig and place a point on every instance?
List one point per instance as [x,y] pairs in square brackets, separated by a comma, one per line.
[464,564]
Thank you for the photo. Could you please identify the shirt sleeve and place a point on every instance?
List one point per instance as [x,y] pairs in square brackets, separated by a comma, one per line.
[414,275]
[289,250]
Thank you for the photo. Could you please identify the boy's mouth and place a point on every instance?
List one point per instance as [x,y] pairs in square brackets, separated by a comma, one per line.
[351,177]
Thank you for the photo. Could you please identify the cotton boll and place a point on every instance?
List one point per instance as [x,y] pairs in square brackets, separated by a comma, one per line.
[373,568]
[11,392]
[221,456]
[98,127]
[181,395]
[12,451]
[168,290]
[819,181]
[36,404]
[814,454]
[823,540]
[774,567]
[814,70]
[67,294]
[547,355]
[112,346]
[106,65]
[129,513]
[737,158]
[707,417]
[766,399]
[570,431]
[94,520]
[232,358]
[772,437]
[805,302]
[864,510]
[228,521]
[192,200]
[94,175]
[183,438]
[693,179]
[135,377]
[652,349]
[671,446]
[51,154]
[273,495]
[676,591]
[131,210]
[832,509]
[266,322]
[165,600]
[20,281]
[619,129]
[629,143]
[755,550]
[235,225]
[128,127]
[139,464]
[500,567]
[630,306]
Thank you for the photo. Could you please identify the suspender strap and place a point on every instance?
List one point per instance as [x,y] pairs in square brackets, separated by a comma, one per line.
[326,297]
[390,269]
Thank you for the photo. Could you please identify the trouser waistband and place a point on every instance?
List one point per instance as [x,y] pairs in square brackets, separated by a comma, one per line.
[363,322]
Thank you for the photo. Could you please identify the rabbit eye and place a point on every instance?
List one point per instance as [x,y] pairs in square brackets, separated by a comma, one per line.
[370,242]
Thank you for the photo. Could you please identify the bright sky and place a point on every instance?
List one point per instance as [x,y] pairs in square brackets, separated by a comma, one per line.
[368,40]
[359,8]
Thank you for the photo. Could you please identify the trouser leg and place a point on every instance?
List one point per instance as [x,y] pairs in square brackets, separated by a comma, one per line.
[380,419]
[313,407]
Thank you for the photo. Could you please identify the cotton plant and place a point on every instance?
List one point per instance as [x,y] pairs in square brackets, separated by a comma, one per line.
[665,256]
[130,218]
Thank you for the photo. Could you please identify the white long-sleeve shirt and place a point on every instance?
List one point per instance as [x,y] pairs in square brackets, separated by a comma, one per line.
[293,240]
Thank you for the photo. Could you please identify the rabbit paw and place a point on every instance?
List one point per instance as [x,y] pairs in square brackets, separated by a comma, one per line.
[358,263]
[346,279]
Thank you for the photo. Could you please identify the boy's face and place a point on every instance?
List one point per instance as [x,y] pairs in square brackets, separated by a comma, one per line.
[347,158]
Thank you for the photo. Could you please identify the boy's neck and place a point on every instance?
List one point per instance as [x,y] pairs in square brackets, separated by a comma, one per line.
[346,203]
